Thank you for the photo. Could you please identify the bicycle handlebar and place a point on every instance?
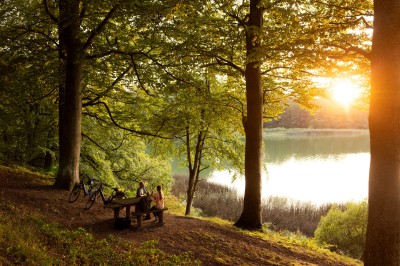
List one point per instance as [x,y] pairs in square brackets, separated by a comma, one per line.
[93,181]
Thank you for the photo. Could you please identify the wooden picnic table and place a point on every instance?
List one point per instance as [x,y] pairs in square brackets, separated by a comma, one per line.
[118,204]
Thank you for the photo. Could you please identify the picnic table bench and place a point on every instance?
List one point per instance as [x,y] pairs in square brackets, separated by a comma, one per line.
[140,214]
[118,204]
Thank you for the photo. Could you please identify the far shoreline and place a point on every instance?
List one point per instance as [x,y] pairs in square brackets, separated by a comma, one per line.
[314,131]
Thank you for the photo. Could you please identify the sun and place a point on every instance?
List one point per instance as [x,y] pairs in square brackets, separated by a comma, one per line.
[344,91]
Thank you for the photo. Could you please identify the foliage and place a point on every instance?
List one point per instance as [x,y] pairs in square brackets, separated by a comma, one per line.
[122,160]
[345,229]
[28,114]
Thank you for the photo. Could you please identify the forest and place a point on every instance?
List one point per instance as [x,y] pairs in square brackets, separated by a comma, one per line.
[115,89]
[329,115]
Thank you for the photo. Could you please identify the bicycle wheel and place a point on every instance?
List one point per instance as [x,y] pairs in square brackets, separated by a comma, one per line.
[73,196]
[91,199]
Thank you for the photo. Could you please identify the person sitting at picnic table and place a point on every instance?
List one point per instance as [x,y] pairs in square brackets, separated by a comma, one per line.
[144,203]
[158,197]
[141,191]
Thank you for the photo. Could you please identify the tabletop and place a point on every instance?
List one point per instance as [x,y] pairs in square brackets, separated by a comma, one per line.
[126,202]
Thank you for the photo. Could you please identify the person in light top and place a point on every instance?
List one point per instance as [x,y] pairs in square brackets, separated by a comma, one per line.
[158,197]
[141,191]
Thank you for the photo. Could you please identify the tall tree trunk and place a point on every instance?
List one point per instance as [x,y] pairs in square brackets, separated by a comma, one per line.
[194,168]
[190,192]
[383,230]
[251,214]
[70,106]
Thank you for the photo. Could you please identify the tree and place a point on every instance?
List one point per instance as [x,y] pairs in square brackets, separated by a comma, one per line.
[382,243]
[70,89]
[251,215]
[210,136]
[195,110]
[71,55]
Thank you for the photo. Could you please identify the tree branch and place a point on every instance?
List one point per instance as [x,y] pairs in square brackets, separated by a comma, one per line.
[224,62]
[241,22]
[138,77]
[83,10]
[91,102]
[46,7]
[93,141]
[144,133]
[100,27]
[350,49]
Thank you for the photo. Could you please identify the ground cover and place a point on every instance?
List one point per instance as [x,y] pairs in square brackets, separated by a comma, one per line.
[209,242]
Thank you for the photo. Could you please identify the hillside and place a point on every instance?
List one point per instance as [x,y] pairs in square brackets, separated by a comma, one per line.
[209,242]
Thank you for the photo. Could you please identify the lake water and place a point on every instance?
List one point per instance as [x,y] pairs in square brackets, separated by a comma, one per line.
[318,169]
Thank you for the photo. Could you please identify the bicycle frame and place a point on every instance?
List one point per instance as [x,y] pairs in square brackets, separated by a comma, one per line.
[102,195]
[85,191]
[81,186]
[99,190]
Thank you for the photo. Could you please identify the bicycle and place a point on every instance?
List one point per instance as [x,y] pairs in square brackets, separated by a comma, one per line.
[76,191]
[99,191]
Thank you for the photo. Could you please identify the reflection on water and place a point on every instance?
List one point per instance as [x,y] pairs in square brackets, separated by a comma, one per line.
[318,169]
[280,148]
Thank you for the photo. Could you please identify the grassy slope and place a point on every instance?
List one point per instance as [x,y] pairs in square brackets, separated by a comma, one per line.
[26,239]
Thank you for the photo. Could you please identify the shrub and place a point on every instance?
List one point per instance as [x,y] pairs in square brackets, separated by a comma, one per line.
[344,229]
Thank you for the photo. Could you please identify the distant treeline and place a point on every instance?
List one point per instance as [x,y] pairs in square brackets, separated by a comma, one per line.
[329,115]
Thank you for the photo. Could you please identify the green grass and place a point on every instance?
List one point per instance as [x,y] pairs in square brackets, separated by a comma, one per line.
[26,239]
[294,241]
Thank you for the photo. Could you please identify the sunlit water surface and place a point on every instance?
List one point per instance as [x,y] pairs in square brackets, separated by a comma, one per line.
[316,169]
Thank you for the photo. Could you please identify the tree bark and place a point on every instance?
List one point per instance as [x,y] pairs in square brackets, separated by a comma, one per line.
[251,215]
[190,193]
[70,106]
[383,230]
[194,168]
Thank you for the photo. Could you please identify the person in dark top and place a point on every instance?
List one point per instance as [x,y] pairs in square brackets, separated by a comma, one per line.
[144,204]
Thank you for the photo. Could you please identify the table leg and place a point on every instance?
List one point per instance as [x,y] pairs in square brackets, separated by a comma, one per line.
[139,221]
[116,213]
[161,217]
[128,212]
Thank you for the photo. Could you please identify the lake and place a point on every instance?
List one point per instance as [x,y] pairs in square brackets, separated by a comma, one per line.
[316,168]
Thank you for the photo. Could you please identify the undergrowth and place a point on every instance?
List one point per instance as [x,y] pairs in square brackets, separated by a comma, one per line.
[292,241]
[28,240]
[214,200]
